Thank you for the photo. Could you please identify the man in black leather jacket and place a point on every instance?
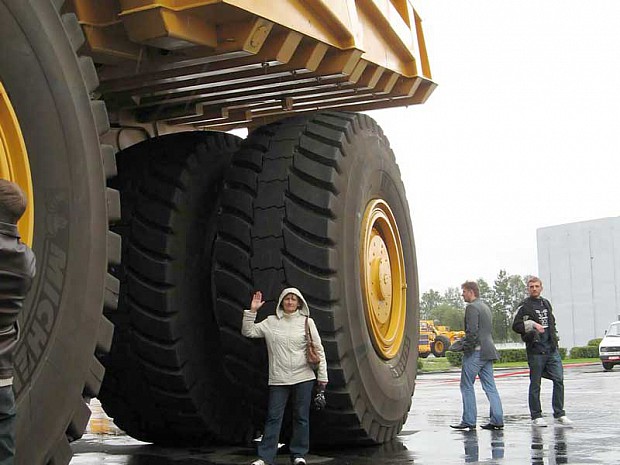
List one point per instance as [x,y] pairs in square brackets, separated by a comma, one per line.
[535,322]
[17,269]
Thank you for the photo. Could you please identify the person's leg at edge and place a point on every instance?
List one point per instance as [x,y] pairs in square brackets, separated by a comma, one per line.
[489,388]
[469,371]
[300,441]
[268,447]
[536,363]
[7,425]
[556,373]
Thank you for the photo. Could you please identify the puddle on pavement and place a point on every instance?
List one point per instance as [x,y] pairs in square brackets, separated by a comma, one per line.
[591,399]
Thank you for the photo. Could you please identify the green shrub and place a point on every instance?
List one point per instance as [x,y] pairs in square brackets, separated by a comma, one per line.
[584,352]
[520,355]
[420,364]
[506,355]
[512,355]
[455,358]
[595,342]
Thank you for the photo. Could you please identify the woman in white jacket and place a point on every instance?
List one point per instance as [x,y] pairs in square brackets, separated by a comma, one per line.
[289,371]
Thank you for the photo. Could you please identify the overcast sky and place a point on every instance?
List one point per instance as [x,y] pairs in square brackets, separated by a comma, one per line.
[522,132]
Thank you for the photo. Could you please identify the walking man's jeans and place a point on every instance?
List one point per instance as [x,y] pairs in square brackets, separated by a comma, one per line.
[300,441]
[7,425]
[546,366]
[472,367]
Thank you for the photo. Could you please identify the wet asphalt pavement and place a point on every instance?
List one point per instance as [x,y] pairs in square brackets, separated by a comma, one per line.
[592,401]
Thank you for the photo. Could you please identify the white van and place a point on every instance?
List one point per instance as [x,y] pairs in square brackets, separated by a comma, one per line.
[609,348]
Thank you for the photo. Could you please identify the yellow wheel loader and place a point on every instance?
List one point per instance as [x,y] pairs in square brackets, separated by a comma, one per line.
[436,339]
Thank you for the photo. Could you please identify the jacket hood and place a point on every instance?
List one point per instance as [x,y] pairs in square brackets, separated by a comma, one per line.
[304,310]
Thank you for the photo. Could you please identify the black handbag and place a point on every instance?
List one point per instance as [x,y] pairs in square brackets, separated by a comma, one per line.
[456,346]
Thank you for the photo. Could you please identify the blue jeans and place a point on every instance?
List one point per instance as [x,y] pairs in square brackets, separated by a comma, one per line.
[471,447]
[300,441]
[548,366]
[7,425]
[472,367]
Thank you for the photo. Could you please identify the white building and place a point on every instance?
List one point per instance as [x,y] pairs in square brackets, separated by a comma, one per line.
[579,265]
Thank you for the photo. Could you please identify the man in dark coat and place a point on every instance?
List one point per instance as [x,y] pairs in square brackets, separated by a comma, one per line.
[535,322]
[17,269]
[478,355]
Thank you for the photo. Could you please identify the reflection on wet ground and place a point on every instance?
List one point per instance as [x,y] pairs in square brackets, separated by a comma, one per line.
[557,451]
[592,401]
[471,446]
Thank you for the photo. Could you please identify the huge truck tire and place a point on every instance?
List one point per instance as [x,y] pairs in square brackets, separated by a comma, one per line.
[164,378]
[317,203]
[440,346]
[48,87]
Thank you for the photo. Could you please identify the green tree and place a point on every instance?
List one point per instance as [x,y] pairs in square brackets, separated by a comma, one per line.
[486,293]
[508,291]
[429,300]
[448,315]
[452,296]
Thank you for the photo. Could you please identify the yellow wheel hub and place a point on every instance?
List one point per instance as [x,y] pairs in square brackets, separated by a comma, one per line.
[383,278]
[14,164]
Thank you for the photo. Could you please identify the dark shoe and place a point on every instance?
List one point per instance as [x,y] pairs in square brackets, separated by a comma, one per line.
[493,427]
[463,427]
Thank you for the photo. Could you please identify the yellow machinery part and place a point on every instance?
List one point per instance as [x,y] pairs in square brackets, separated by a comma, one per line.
[382,29]
[383,278]
[222,64]
[14,164]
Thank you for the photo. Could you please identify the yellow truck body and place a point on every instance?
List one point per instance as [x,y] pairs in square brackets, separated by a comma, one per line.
[152,226]
[236,63]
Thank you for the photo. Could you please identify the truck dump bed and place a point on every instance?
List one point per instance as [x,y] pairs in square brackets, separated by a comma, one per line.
[223,64]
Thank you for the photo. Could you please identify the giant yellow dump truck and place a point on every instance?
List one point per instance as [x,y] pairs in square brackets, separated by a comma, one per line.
[152,225]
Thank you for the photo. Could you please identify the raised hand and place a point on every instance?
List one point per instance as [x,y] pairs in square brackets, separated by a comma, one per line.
[257,301]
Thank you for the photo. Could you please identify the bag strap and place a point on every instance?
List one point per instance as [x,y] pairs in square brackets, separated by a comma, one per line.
[308,333]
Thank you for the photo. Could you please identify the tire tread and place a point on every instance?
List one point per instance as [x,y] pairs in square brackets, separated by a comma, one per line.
[286,225]
[160,178]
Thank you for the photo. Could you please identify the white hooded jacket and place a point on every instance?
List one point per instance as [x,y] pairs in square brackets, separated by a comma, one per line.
[285,336]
